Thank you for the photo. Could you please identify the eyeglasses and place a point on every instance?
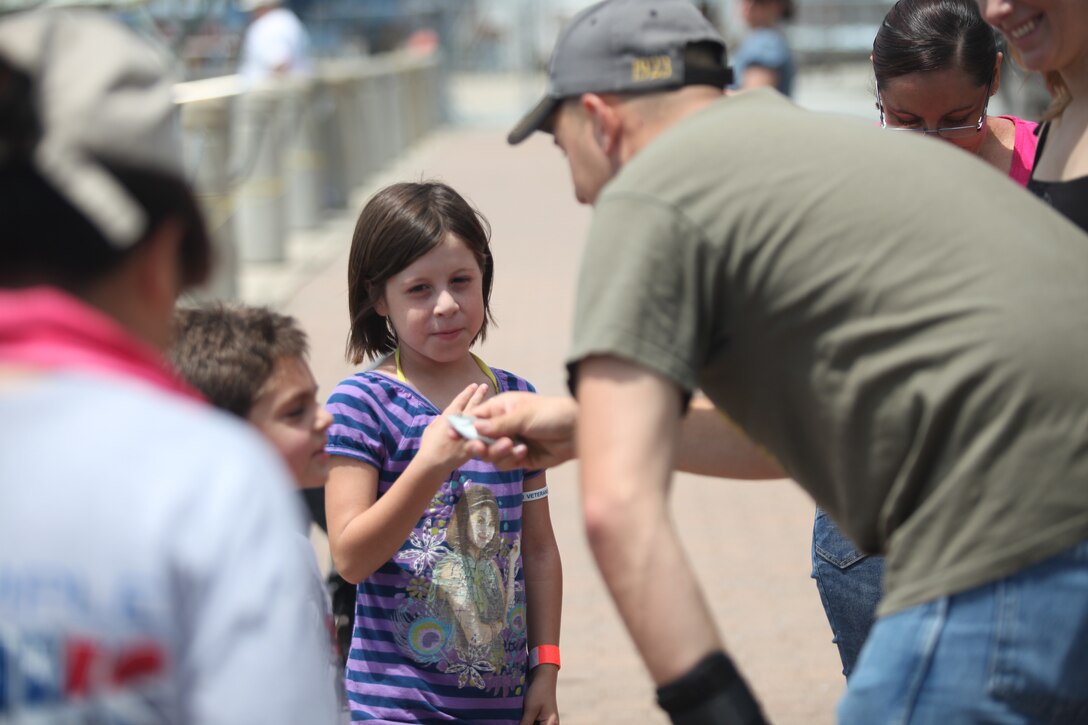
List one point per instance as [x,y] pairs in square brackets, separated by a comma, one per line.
[946,131]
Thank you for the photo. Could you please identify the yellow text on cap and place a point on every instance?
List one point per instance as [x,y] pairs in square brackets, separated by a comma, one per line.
[654,68]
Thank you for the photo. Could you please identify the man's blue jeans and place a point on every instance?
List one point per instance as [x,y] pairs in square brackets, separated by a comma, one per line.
[1011,652]
[849,584]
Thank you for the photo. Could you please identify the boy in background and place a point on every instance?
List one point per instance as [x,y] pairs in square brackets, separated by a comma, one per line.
[251,361]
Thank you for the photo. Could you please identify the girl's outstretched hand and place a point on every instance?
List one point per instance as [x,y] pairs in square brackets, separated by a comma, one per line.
[441,447]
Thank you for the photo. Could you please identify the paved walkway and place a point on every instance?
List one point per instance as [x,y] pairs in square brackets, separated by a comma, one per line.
[748,541]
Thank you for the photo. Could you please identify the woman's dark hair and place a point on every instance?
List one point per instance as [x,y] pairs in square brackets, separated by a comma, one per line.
[397,226]
[918,36]
[46,240]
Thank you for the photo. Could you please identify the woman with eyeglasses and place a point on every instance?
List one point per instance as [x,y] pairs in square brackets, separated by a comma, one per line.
[937,65]
[1051,37]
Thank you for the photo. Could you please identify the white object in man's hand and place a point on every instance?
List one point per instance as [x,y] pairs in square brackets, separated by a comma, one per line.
[465,427]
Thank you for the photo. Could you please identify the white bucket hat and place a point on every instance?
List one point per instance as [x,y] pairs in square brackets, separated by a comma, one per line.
[100,92]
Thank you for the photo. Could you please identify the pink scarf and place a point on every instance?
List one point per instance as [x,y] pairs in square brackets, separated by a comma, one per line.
[45,328]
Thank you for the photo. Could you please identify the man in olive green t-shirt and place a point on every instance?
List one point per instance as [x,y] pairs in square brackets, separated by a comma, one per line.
[902,329]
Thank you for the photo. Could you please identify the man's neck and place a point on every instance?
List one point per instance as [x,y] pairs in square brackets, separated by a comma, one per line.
[650,117]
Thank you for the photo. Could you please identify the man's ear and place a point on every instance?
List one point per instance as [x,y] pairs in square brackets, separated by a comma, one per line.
[606,121]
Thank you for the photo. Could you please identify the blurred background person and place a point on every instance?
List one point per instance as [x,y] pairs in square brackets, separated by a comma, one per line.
[147,542]
[763,57]
[275,43]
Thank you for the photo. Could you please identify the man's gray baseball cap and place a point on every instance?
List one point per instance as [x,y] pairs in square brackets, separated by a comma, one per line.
[625,46]
[100,93]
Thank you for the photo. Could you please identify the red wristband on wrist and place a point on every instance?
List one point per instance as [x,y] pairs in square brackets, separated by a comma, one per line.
[545,654]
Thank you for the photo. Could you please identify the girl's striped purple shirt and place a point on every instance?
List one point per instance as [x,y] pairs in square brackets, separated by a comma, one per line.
[440,629]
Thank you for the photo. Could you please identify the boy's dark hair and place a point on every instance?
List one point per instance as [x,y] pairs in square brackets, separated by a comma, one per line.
[45,239]
[400,224]
[919,36]
[229,353]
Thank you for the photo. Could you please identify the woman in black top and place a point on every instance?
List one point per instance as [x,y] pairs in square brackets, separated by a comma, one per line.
[1051,37]
[1069,197]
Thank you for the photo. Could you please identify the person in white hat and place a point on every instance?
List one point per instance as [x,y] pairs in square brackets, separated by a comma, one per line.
[878,314]
[149,570]
[275,43]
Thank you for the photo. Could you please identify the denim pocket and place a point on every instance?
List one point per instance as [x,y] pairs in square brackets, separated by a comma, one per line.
[831,545]
[1040,658]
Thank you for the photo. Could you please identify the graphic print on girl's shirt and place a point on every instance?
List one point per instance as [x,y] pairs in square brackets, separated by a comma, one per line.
[470,618]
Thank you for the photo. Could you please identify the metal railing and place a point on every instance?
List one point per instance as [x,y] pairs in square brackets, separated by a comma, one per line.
[269,159]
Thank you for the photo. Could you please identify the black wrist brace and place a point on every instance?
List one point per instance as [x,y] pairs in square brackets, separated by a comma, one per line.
[711,693]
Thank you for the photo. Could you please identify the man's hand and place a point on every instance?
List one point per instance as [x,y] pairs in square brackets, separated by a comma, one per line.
[531,431]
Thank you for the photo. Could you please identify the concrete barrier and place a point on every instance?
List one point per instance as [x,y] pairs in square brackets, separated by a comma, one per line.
[370,138]
[334,167]
[303,162]
[205,123]
[260,219]
[268,160]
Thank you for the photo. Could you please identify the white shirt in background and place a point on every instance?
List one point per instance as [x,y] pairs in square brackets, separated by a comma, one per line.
[276,42]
